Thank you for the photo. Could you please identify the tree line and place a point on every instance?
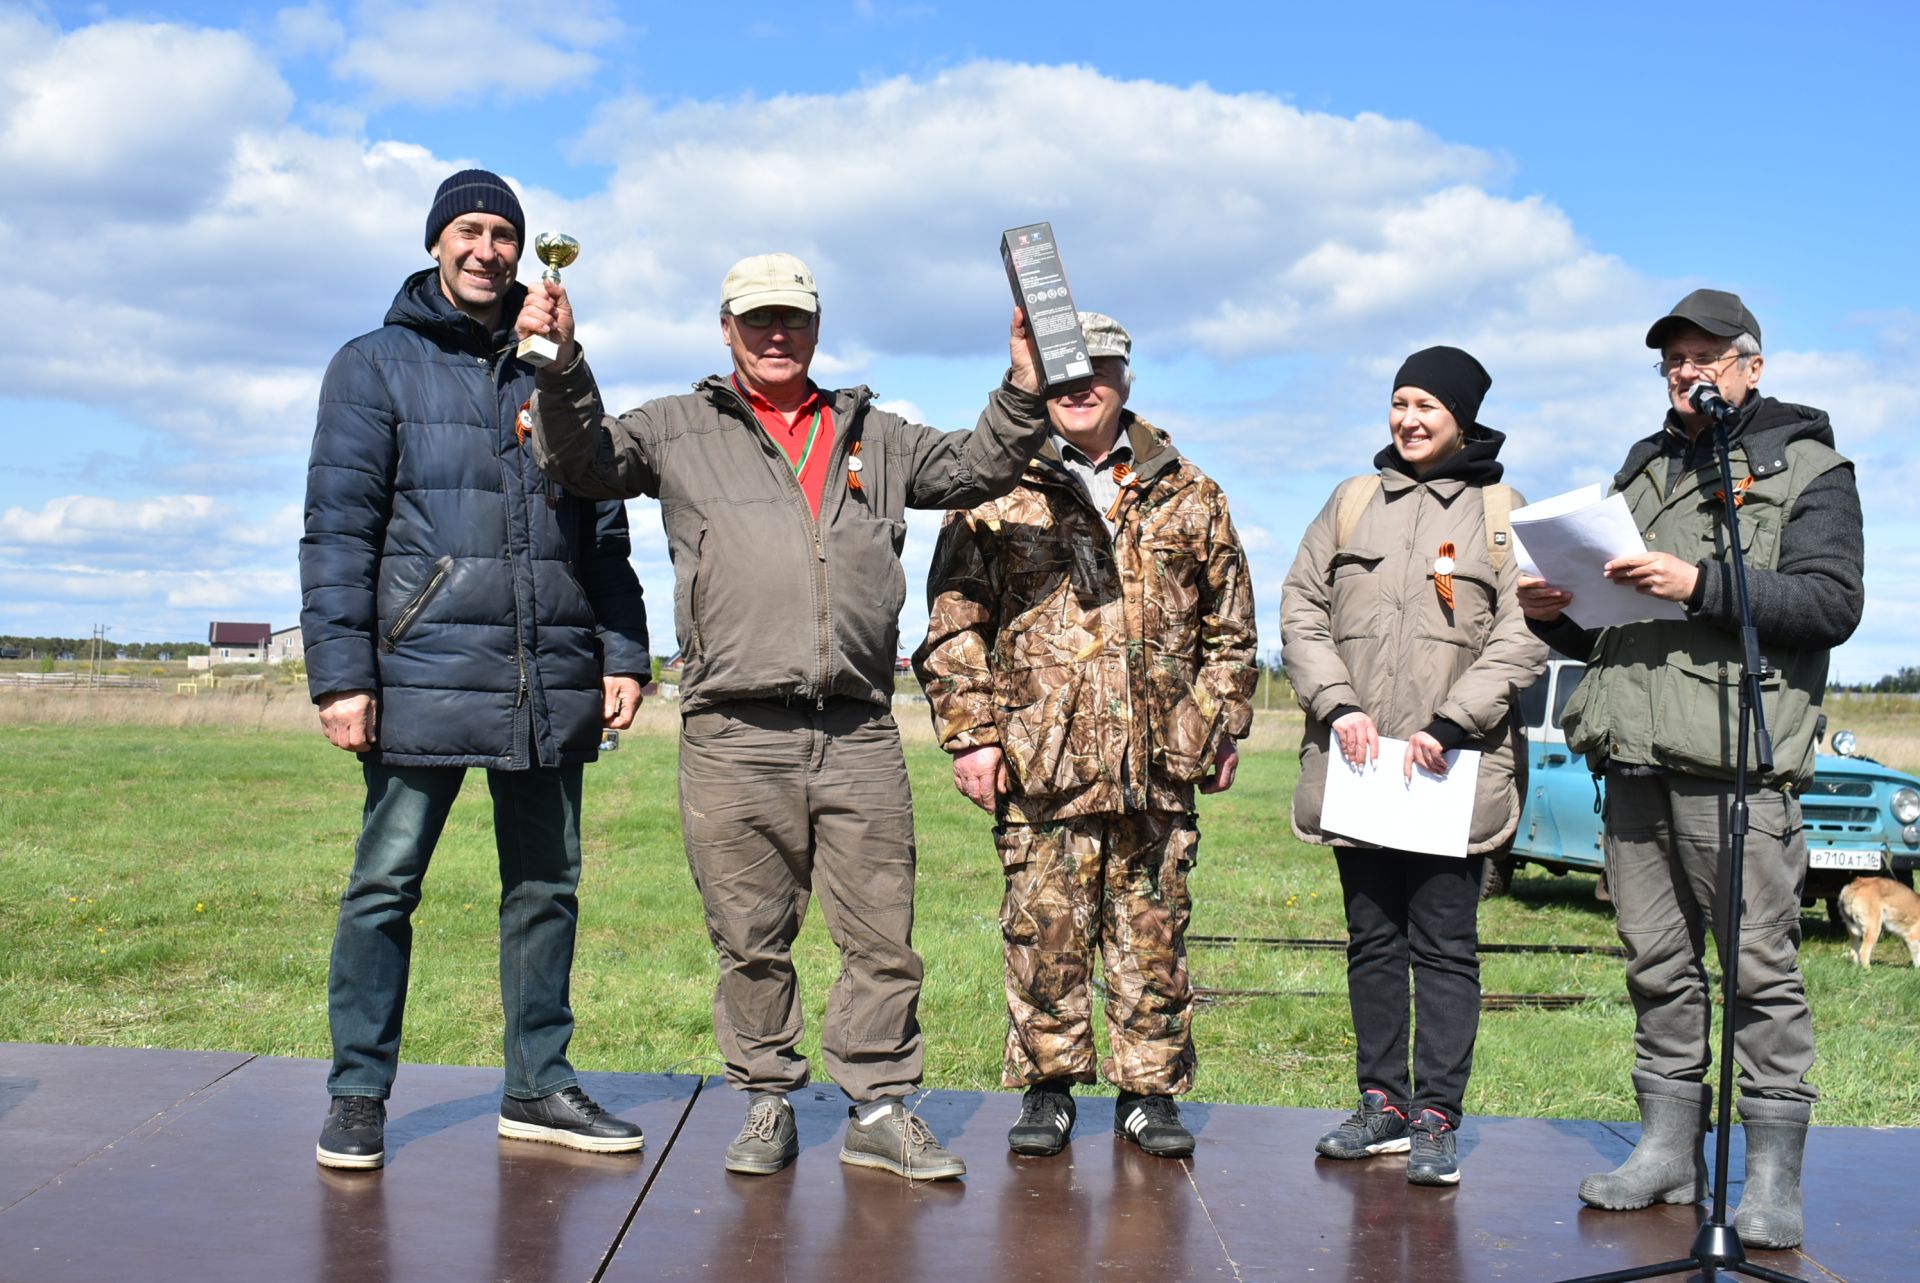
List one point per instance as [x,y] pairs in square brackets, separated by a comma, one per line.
[82,647]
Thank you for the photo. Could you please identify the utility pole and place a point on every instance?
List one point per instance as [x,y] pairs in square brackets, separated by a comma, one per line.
[93,657]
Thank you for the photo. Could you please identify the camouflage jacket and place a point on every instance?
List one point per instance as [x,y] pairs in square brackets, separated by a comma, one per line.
[1106,667]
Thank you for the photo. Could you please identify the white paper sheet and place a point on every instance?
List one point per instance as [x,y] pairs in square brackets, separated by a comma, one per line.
[1568,538]
[1431,814]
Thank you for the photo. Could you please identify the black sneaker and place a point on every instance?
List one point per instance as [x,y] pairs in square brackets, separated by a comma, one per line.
[1433,1161]
[1152,1123]
[1377,1127]
[569,1117]
[1046,1120]
[355,1136]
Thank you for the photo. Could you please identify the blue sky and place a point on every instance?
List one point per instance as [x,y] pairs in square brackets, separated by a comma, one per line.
[1280,201]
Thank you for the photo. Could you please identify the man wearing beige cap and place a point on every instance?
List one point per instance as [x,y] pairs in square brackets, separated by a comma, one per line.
[784,508]
[1089,656]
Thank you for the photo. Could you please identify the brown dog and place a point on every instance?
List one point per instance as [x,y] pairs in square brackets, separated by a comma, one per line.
[1867,904]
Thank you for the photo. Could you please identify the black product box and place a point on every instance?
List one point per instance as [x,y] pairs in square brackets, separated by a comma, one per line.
[1040,286]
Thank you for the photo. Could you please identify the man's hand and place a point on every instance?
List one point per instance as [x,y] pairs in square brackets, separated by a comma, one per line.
[548,312]
[981,774]
[1656,574]
[620,700]
[348,719]
[1541,600]
[1019,352]
[1424,751]
[1358,738]
[1226,760]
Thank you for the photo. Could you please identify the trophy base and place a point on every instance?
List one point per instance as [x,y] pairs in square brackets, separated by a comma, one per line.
[537,350]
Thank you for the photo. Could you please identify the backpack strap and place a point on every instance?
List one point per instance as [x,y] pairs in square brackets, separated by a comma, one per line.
[1354,495]
[1496,503]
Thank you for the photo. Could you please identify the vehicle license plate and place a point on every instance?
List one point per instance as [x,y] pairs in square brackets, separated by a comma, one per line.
[1826,857]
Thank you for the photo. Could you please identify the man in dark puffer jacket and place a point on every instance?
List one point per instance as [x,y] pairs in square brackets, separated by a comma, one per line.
[459,611]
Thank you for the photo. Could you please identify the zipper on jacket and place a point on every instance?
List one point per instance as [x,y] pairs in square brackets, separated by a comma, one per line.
[520,661]
[404,621]
[815,531]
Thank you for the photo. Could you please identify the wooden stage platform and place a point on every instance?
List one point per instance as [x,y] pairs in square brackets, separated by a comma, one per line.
[123,1164]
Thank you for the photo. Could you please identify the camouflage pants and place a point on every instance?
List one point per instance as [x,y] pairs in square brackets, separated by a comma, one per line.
[1115,886]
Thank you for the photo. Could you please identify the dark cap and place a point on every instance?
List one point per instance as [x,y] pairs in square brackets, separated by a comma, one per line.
[474,191]
[1454,378]
[1717,312]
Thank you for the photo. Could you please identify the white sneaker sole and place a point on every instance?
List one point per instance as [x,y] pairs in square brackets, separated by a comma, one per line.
[349,1162]
[571,1140]
[854,1158]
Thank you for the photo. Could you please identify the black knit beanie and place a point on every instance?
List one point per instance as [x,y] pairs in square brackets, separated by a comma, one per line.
[1455,379]
[474,191]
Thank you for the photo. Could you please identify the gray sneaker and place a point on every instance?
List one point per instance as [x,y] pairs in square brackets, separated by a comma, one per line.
[768,1141]
[900,1143]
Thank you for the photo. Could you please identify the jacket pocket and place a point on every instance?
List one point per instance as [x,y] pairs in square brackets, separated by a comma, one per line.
[868,587]
[409,614]
[1037,735]
[1184,722]
[1476,595]
[689,611]
[1356,595]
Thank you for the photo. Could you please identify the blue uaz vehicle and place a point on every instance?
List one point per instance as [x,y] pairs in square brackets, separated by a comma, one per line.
[1861,817]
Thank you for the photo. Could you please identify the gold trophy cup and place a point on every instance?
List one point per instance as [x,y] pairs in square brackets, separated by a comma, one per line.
[556,250]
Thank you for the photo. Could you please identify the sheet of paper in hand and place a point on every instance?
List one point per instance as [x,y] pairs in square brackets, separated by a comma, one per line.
[1568,538]
[1431,814]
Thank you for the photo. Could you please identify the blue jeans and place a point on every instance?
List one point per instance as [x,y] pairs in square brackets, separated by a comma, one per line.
[536,829]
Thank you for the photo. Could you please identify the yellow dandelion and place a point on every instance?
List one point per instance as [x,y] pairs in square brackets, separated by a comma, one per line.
[200,906]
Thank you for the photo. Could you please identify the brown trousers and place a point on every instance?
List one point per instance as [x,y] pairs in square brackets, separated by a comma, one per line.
[1114,886]
[778,802]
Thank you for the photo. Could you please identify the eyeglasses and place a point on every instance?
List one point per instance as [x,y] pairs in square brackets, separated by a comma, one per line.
[1667,367]
[787,318]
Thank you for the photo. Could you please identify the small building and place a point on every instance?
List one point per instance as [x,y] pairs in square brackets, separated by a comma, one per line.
[238,643]
[285,645]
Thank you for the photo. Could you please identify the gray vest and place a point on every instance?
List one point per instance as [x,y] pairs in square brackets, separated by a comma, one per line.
[1667,692]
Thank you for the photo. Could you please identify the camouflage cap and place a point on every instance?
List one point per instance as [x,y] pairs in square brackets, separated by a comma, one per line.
[1105,337]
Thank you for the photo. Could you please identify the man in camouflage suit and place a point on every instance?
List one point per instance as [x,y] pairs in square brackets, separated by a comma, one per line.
[1089,656]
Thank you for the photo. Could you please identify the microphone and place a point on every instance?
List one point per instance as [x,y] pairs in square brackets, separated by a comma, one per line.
[1705,399]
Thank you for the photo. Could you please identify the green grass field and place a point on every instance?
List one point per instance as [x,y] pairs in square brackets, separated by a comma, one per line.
[175,886]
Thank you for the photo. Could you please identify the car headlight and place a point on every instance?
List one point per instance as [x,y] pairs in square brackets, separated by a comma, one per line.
[1906,806]
[1910,835]
[1843,743]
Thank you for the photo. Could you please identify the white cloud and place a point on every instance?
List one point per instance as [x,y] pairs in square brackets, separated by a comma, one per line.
[439,52]
[133,121]
[1274,265]
[77,520]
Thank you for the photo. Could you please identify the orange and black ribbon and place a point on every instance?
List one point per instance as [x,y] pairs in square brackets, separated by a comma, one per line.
[1122,477]
[1740,489]
[1443,579]
[853,467]
[523,423]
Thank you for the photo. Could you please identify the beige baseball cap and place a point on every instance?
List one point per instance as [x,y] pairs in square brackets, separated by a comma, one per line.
[1104,336]
[768,280]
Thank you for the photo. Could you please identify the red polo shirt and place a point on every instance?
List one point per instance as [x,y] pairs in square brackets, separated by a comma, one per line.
[794,437]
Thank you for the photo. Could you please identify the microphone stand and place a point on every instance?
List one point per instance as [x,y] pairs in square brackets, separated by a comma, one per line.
[1717,1248]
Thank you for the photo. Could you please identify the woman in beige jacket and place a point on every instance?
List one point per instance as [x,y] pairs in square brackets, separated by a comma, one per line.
[1399,619]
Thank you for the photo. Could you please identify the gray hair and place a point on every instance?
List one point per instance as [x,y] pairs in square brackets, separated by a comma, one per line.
[1746,345]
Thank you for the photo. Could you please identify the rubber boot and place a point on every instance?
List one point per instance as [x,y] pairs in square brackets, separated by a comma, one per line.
[1669,1165]
[1769,1211]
